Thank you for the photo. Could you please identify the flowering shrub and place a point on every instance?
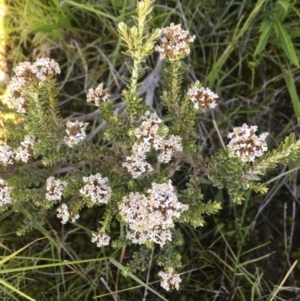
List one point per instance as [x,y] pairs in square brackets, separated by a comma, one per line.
[52,163]
[245,144]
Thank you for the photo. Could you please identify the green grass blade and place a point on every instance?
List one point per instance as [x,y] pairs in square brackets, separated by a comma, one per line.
[92,9]
[7,258]
[283,9]
[45,28]
[286,42]
[121,267]
[266,29]
[253,260]
[4,283]
[51,265]
[212,76]
[290,83]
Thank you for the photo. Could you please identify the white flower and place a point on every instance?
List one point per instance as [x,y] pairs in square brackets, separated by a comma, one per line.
[164,198]
[44,67]
[151,218]
[25,151]
[25,75]
[137,165]
[202,98]
[7,155]
[96,189]
[65,214]
[245,144]
[76,132]
[4,193]
[147,134]
[148,129]
[98,96]
[55,189]
[169,280]
[73,216]
[140,149]
[101,239]
[15,94]
[175,42]
[39,70]
[167,146]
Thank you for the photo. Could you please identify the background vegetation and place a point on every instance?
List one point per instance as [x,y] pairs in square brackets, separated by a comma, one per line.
[247,52]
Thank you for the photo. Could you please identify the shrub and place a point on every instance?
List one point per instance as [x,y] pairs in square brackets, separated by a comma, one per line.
[136,172]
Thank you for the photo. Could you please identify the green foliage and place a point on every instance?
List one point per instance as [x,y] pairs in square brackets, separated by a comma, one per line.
[225,171]
[140,44]
[288,150]
[182,113]
[193,197]
[140,260]
[169,257]
[275,23]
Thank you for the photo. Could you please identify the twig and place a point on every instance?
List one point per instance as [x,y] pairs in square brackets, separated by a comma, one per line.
[283,280]
[148,274]
[107,287]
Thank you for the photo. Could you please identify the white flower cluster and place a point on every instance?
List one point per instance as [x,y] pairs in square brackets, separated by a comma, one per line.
[167,146]
[101,239]
[41,69]
[175,42]
[76,132]
[150,218]
[96,189]
[7,154]
[169,280]
[147,131]
[27,74]
[25,151]
[147,134]
[98,95]
[245,144]
[55,189]
[4,193]
[136,163]
[202,98]
[65,214]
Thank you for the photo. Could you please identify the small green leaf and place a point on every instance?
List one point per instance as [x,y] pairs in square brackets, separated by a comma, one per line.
[290,83]
[284,4]
[286,42]
[266,29]
[46,28]
[283,7]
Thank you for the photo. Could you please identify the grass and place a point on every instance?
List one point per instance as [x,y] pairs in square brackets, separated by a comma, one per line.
[246,252]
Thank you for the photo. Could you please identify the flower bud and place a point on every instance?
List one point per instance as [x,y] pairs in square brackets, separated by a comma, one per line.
[134,32]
